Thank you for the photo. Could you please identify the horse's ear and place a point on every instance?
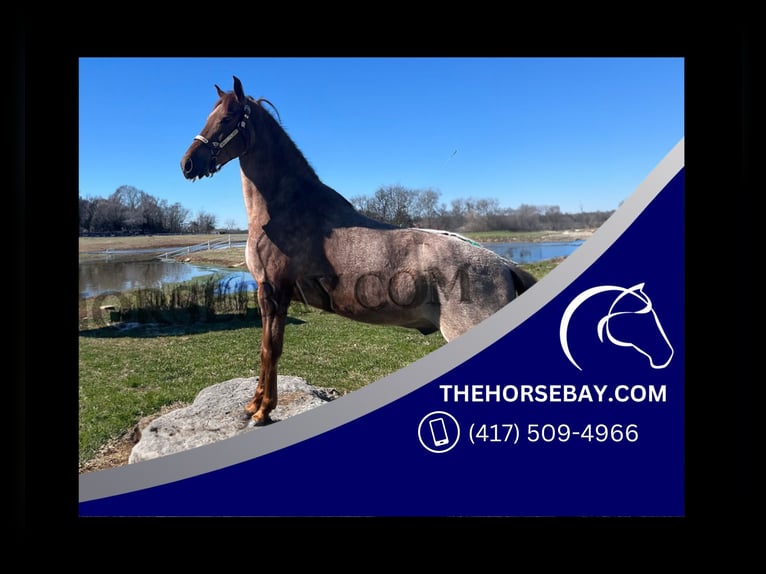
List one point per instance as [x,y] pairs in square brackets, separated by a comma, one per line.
[219,90]
[238,91]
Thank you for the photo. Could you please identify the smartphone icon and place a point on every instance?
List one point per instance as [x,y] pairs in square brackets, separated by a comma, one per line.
[438,431]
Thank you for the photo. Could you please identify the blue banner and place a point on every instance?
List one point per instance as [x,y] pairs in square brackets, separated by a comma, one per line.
[568,402]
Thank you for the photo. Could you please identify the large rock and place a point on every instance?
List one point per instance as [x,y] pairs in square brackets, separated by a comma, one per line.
[218,413]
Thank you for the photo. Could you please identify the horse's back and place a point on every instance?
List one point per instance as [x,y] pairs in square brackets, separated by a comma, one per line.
[421,279]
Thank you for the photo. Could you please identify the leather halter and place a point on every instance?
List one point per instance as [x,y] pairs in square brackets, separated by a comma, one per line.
[216,147]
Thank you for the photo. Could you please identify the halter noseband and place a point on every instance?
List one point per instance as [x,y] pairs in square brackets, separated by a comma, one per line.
[216,147]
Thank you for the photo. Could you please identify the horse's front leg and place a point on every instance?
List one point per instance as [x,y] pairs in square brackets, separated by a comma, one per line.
[273,304]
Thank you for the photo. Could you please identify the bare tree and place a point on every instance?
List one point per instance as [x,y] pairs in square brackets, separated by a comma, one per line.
[391,204]
[204,223]
[130,210]
[175,217]
[86,213]
[128,196]
[427,210]
[108,216]
[151,214]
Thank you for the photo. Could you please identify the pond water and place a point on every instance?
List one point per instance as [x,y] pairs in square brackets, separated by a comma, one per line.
[107,276]
[99,277]
[533,252]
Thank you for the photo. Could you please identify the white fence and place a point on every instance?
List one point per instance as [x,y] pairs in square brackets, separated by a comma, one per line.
[222,243]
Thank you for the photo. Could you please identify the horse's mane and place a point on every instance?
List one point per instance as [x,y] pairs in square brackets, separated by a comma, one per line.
[261,101]
[257,102]
[289,143]
[286,143]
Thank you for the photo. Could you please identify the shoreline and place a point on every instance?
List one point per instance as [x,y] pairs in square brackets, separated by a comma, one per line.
[100,245]
[95,249]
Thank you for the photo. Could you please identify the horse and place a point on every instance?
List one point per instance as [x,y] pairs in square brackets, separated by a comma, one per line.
[307,243]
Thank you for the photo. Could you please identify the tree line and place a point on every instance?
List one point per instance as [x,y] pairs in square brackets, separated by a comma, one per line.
[132,211]
[421,208]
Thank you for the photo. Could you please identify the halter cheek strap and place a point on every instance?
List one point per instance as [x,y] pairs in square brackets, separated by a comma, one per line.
[216,147]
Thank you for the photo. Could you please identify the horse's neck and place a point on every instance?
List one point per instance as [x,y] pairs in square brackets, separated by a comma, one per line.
[269,174]
[278,182]
[255,203]
[270,191]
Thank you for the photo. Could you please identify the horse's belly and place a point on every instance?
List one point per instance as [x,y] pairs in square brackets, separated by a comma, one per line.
[366,293]
[373,297]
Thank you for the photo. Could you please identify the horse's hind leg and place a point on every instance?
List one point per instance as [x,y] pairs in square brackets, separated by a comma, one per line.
[274,314]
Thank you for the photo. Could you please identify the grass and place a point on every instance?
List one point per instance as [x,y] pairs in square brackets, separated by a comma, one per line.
[99,244]
[128,374]
[125,375]
[541,268]
[95,244]
[527,236]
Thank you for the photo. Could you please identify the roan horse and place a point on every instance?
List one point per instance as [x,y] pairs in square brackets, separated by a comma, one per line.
[306,242]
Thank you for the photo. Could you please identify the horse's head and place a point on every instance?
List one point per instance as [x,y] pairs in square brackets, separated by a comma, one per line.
[632,322]
[224,136]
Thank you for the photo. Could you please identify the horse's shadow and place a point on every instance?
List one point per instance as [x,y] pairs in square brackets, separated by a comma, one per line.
[145,330]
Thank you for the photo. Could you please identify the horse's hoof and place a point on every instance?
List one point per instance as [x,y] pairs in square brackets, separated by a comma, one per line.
[259,421]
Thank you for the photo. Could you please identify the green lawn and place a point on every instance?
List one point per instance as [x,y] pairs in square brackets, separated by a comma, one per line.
[125,375]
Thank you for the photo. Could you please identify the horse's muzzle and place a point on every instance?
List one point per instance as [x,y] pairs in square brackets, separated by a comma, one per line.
[198,162]
[187,166]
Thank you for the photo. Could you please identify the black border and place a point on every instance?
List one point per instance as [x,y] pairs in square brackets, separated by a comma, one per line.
[719,71]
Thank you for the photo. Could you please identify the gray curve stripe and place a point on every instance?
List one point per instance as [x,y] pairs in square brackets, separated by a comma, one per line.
[264,440]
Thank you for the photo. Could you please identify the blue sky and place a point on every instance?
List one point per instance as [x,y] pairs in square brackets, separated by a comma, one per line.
[580,133]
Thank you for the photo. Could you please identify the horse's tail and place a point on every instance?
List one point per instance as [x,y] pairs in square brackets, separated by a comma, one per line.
[522,279]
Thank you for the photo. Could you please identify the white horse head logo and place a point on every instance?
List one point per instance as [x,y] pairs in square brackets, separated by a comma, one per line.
[645,309]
